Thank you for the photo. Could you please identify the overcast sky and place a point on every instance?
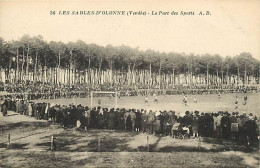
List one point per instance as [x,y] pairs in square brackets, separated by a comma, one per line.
[233,27]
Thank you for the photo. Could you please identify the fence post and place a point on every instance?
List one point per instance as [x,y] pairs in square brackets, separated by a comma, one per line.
[9,141]
[98,144]
[52,142]
[199,143]
[148,144]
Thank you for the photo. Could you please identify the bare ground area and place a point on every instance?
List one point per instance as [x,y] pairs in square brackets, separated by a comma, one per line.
[30,147]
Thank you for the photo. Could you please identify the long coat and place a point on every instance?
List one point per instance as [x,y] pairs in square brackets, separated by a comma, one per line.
[111,120]
[195,125]
[30,109]
[4,110]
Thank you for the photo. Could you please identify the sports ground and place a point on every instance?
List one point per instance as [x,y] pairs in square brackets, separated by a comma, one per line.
[30,139]
[205,103]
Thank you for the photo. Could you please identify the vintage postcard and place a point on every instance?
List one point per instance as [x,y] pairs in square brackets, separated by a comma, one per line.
[127,83]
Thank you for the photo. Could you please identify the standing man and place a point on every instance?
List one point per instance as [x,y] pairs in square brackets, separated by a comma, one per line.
[226,126]
[133,117]
[146,100]
[149,123]
[185,100]
[4,109]
[195,99]
[143,120]
[236,103]
[245,99]
[127,119]
[155,98]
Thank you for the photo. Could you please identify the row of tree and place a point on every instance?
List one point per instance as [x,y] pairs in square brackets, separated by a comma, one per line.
[29,55]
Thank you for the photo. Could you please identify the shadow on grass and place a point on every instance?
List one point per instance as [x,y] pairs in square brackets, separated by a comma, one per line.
[229,145]
[22,125]
[76,141]
[14,146]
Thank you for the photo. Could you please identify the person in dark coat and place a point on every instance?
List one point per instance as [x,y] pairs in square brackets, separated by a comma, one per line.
[187,120]
[225,125]
[149,122]
[105,114]
[251,132]
[100,120]
[111,119]
[127,119]
[138,121]
[157,124]
[38,111]
[234,126]
[143,120]
[116,113]
[52,113]
[194,126]
[4,109]
[121,119]
[92,118]
[64,111]
[201,124]
[208,125]
[133,118]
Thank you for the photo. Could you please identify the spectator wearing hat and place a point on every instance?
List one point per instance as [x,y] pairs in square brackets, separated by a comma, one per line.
[4,109]
[133,118]
[138,121]
[251,132]
[234,126]
[225,125]
[187,120]
[149,123]
[194,126]
[217,121]
[127,119]
[157,124]
[143,120]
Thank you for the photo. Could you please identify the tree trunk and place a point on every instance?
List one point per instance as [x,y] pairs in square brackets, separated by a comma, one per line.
[22,74]
[222,77]
[173,75]
[217,78]
[35,66]
[150,74]
[129,75]
[58,70]
[89,62]
[238,76]
[70,68]
[27,63]
[227,77]
[111,72]
[100,64]
[17,64]
[133,73]
[160,75]
[9,69]
[207,75]
[245,78]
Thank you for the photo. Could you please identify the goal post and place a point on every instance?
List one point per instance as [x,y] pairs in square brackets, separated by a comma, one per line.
[102,92]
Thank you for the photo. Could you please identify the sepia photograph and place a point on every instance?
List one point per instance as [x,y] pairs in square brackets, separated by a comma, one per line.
[127,83]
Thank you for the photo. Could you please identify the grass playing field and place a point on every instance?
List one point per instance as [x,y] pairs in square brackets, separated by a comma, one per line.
[205,102]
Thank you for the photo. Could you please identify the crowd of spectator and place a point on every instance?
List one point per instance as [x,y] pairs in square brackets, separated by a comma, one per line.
[238,127]
[32,91]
